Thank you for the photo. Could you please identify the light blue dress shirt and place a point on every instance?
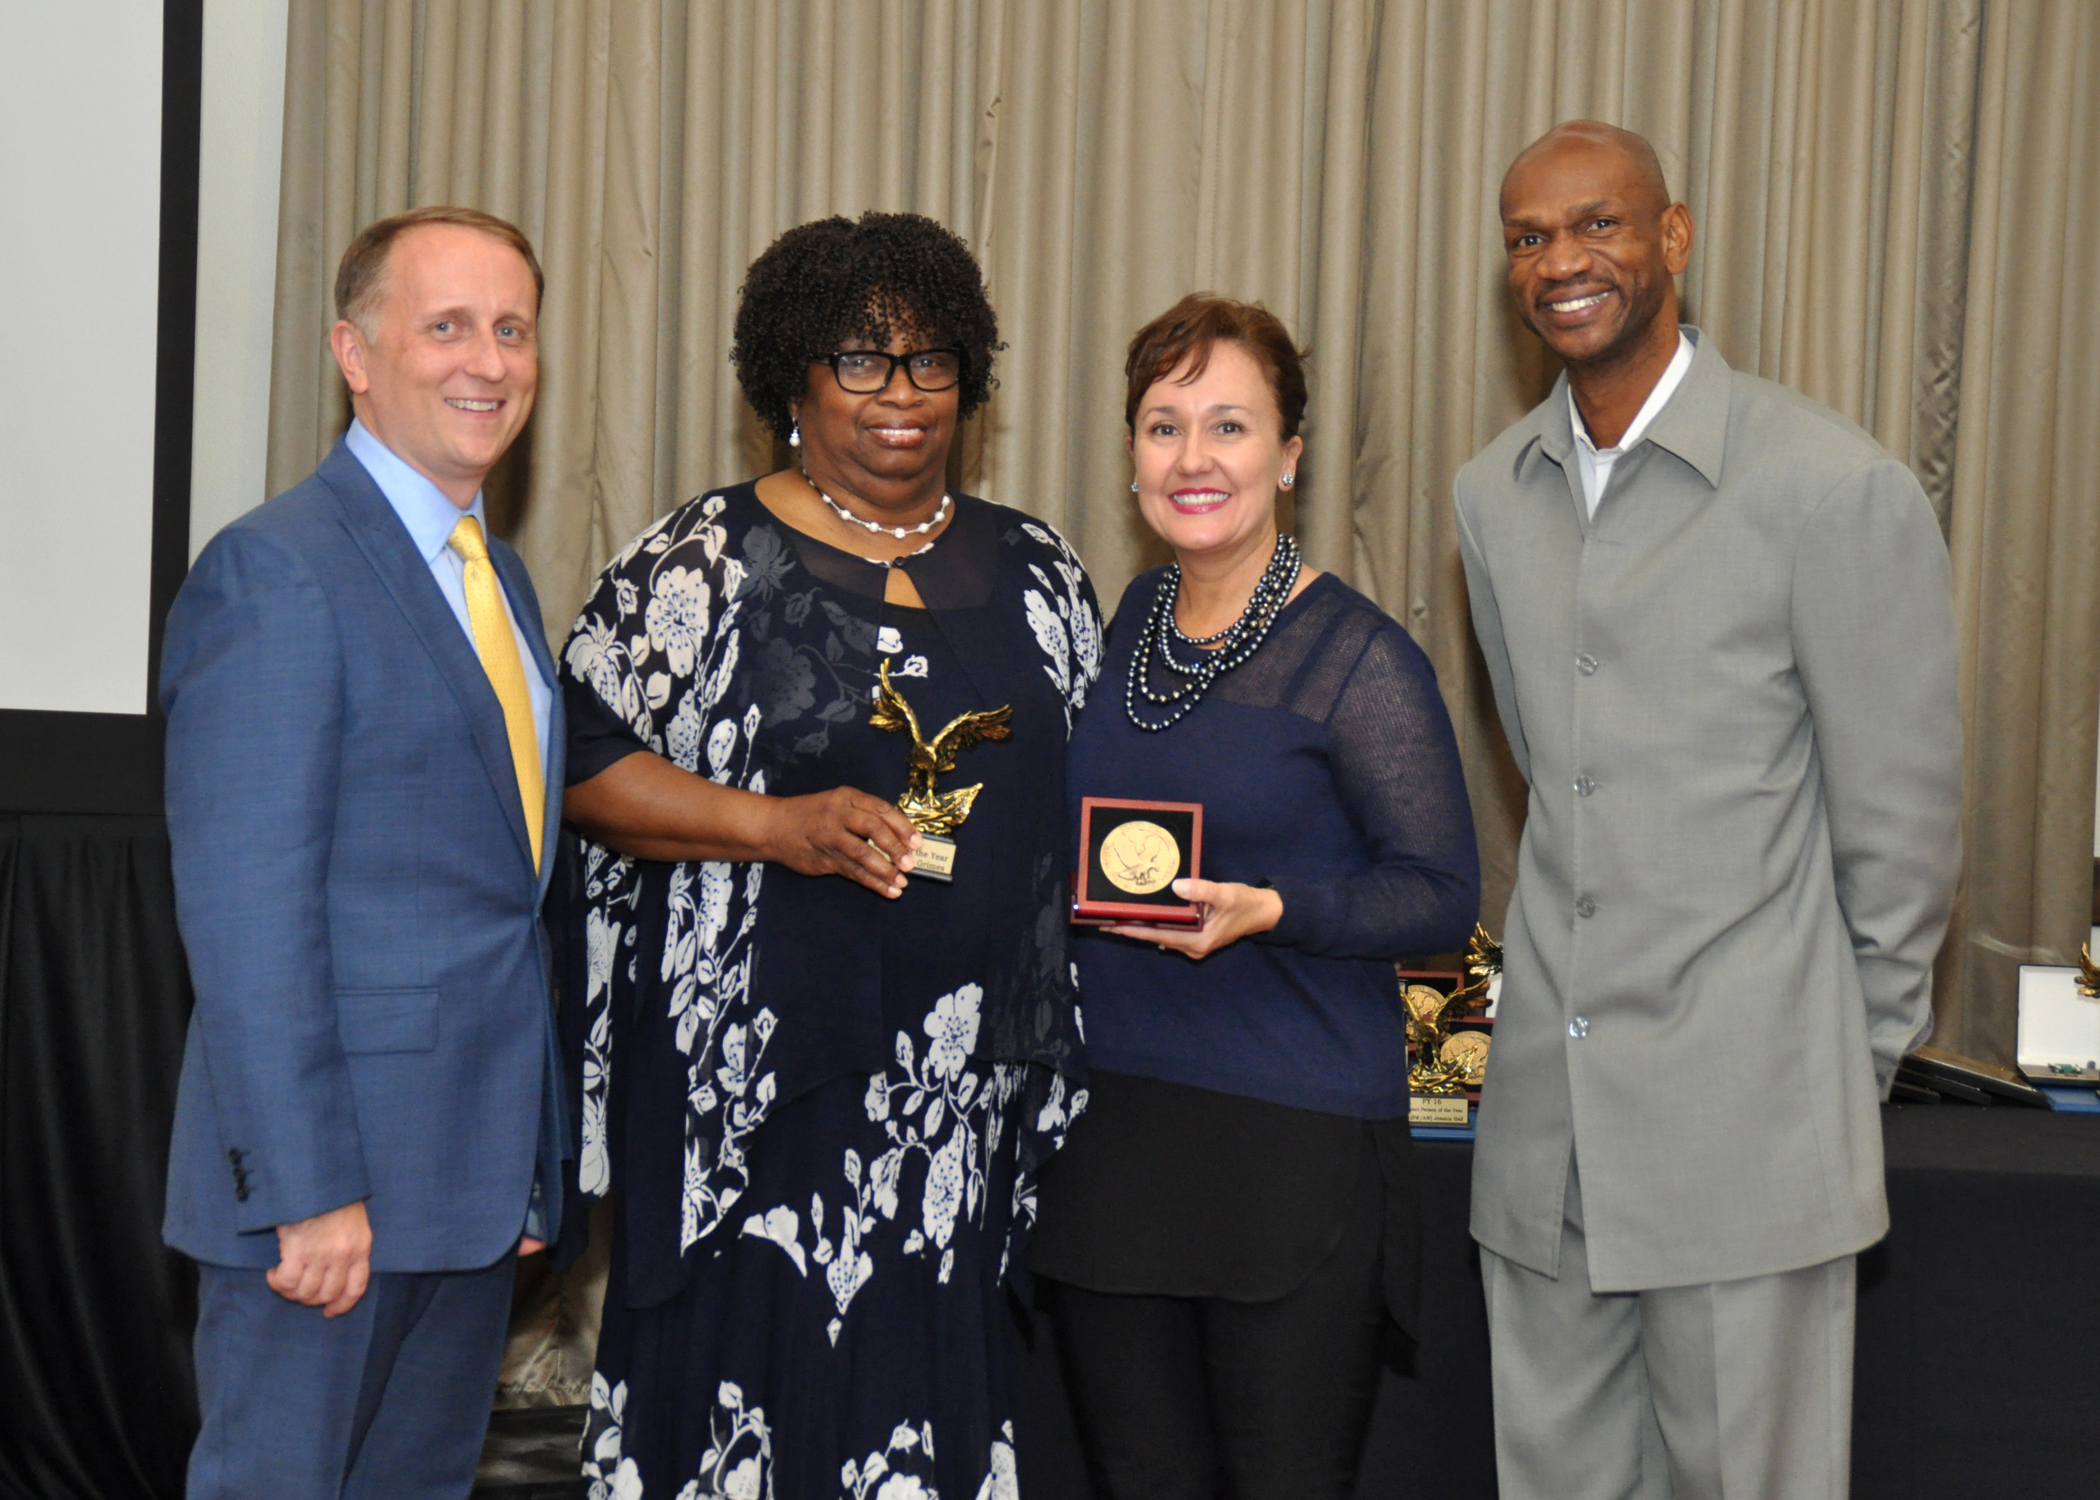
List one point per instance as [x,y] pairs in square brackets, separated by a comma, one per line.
[430,516]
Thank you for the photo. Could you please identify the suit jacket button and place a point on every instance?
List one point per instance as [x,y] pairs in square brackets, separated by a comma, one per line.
[240,1192]
[1585,907]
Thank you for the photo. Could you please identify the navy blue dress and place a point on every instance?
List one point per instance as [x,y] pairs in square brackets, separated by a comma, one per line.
[1231,1095]
[824,1110]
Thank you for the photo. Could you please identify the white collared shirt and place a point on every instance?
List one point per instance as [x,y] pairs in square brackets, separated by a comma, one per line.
[1595,463]
[430,515]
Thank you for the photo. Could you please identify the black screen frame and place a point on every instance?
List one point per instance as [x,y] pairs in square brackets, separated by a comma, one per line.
[111,763]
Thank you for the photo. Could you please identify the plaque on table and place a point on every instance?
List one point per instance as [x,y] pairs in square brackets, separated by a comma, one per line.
[2057,1035]
[1132,852]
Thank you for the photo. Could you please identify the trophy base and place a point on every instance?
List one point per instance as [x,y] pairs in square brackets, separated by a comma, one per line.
[1437,1109]
[934,859]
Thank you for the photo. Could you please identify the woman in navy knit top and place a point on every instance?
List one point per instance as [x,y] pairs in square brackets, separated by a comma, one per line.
[1232,1222]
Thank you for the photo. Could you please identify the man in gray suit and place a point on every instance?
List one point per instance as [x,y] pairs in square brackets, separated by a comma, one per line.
[1717,618]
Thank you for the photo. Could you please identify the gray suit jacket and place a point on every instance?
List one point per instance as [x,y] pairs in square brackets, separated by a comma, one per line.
[1733,696]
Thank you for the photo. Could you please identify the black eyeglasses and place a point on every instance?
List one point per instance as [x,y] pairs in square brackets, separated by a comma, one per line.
[866,371]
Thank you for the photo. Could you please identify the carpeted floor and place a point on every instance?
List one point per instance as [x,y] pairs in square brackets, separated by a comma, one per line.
[531,1454]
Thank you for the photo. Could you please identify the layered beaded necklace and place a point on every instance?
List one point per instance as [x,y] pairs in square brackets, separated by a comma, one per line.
[1234,644]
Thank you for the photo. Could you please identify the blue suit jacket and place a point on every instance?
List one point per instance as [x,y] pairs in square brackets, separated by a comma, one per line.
[356,894]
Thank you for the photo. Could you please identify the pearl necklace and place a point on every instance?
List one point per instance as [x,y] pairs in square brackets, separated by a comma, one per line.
[899,532]
[1198,640]
[1241,639]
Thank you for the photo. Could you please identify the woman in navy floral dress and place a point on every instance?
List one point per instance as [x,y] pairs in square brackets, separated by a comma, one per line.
[821,1083]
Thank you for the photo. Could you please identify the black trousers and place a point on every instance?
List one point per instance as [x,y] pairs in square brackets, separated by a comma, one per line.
[1193,1398]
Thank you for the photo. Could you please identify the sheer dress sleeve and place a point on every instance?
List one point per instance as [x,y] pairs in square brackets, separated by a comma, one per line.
[1396,768]
[599,738]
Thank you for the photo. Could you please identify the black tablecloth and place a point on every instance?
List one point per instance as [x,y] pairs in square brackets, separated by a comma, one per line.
[1979,1318]
[95,1392]
[1978,1366]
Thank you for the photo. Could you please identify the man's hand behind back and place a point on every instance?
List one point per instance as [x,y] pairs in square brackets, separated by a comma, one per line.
[325,1261]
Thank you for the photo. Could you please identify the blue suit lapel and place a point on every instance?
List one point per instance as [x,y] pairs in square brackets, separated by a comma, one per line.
[385,543]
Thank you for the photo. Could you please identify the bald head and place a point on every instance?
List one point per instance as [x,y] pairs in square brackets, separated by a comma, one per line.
[1594,246]
[1574,138]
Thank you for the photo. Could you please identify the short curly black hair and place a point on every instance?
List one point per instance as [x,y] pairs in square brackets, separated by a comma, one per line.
[833,279]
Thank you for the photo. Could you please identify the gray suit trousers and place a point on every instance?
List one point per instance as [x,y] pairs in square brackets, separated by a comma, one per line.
[1731,1390]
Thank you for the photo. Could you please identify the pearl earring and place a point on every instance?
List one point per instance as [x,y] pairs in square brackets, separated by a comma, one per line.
[795,435]
[1133,486]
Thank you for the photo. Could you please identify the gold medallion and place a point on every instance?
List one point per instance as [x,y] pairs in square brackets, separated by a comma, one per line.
[1139,858]
[1467,1051]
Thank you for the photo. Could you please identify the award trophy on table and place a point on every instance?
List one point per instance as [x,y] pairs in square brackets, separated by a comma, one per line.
[1449,1062]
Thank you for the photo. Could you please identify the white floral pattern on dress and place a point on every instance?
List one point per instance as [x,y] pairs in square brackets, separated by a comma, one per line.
[939,1107]
[738,1464]
[1064,621]
[634,657]
[908,1445]
[1002,1480]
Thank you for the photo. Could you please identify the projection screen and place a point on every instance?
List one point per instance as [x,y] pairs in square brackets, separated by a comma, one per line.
[80,189]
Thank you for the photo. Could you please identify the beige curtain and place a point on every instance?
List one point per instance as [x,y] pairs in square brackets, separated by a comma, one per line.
[2025,513]
[1896,204]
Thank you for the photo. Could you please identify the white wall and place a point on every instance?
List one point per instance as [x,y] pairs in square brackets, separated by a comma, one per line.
[80,95]
[242,139]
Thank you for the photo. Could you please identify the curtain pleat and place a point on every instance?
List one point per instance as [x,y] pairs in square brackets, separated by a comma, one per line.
[1895,214]
[2026,528]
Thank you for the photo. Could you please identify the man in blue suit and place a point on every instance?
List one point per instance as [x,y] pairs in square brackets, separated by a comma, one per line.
[363,785]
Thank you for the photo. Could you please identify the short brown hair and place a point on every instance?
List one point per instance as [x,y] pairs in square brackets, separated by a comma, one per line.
[360,281]
[1192,327]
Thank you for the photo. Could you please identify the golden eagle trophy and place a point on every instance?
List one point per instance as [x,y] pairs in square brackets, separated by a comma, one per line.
[935,814]
[1447,1063]
[2088,974]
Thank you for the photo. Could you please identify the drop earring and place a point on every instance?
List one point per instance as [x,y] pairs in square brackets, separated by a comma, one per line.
[795,435]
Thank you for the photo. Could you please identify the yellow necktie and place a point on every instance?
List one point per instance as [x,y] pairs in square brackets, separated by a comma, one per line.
[498,649]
